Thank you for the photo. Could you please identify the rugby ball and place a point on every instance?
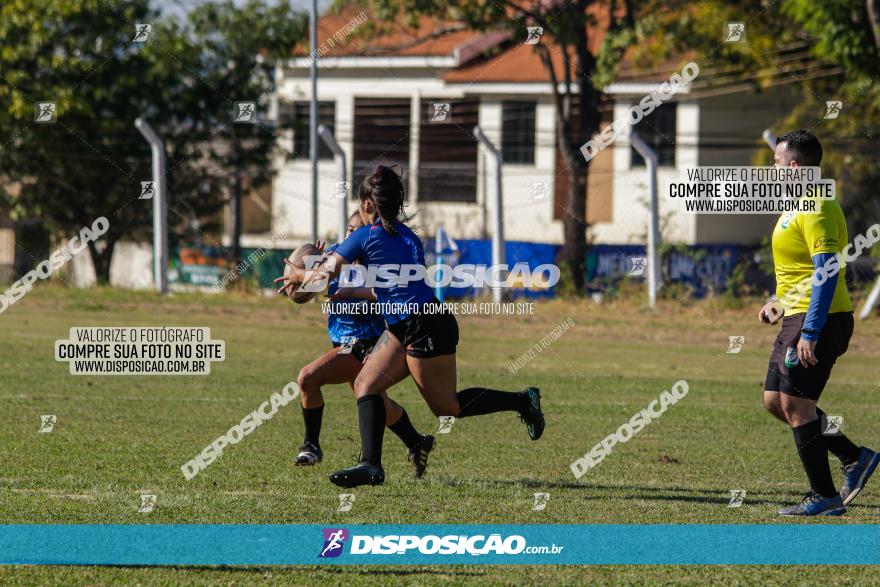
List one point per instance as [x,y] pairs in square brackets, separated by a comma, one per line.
[307,252]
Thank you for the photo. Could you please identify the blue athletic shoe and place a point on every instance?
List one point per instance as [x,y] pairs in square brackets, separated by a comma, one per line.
[815,505]
[856,475]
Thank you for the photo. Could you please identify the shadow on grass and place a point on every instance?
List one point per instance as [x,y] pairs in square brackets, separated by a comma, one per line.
[641,492]
[332,569]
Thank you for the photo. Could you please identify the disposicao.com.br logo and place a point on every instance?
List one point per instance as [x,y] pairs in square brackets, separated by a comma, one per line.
[429,544]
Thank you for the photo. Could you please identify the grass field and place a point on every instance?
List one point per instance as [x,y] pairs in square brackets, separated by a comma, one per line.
[119,436]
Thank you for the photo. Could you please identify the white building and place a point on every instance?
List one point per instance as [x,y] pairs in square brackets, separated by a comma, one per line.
[379,100]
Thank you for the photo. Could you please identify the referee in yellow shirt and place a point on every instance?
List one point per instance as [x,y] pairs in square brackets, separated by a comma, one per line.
[815,331]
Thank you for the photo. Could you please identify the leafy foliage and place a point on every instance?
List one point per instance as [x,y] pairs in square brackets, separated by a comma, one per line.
[184,80]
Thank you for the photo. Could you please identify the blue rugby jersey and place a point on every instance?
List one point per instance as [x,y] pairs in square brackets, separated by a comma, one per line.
[373,245]
[345,327]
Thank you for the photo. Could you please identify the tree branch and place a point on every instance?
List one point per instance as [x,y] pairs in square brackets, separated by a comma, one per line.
[554,82]
[434,34]
[629,16]
[873,7]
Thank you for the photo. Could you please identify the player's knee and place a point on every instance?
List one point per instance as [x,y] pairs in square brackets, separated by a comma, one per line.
[449,408]
[306,379]
[797,411]
[362,388]
[771,403]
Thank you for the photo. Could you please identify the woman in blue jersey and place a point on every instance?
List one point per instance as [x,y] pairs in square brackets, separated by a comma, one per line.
[420,340]
[353,329]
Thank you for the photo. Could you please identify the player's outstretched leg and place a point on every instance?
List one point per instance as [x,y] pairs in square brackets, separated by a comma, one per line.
[476,401]
[419,446]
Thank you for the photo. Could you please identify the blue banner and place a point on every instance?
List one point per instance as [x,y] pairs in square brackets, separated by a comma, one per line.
[702,268]
[229,544]
[479,252]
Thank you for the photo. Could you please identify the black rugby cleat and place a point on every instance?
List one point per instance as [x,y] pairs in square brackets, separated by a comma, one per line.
[363,473]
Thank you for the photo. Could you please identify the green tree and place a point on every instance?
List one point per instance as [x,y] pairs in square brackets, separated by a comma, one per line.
[78,54]
[568,28]
[184,79]
[648,32]
[846,33]
[226,53]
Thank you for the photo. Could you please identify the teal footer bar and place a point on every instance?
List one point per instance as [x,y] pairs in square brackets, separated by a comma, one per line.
[229,544]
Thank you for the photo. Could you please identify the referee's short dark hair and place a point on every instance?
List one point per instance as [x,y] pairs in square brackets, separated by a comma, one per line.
[806,147]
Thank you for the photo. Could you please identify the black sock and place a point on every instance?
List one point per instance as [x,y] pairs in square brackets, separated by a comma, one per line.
[476,401]
[841,446]
[813,451]
[404,430]
[371,419]
[312,418]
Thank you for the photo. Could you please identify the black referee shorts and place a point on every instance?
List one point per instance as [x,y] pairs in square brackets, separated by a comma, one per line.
[785,372]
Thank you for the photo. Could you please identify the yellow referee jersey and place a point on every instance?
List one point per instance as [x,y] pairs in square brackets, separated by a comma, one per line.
[796,238]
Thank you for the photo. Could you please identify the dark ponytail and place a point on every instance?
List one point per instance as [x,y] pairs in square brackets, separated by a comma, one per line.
[384,187]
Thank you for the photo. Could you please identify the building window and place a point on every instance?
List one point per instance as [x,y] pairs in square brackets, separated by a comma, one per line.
[448,153]
[381,135]
[658,130]
[518,132]
[296,116]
